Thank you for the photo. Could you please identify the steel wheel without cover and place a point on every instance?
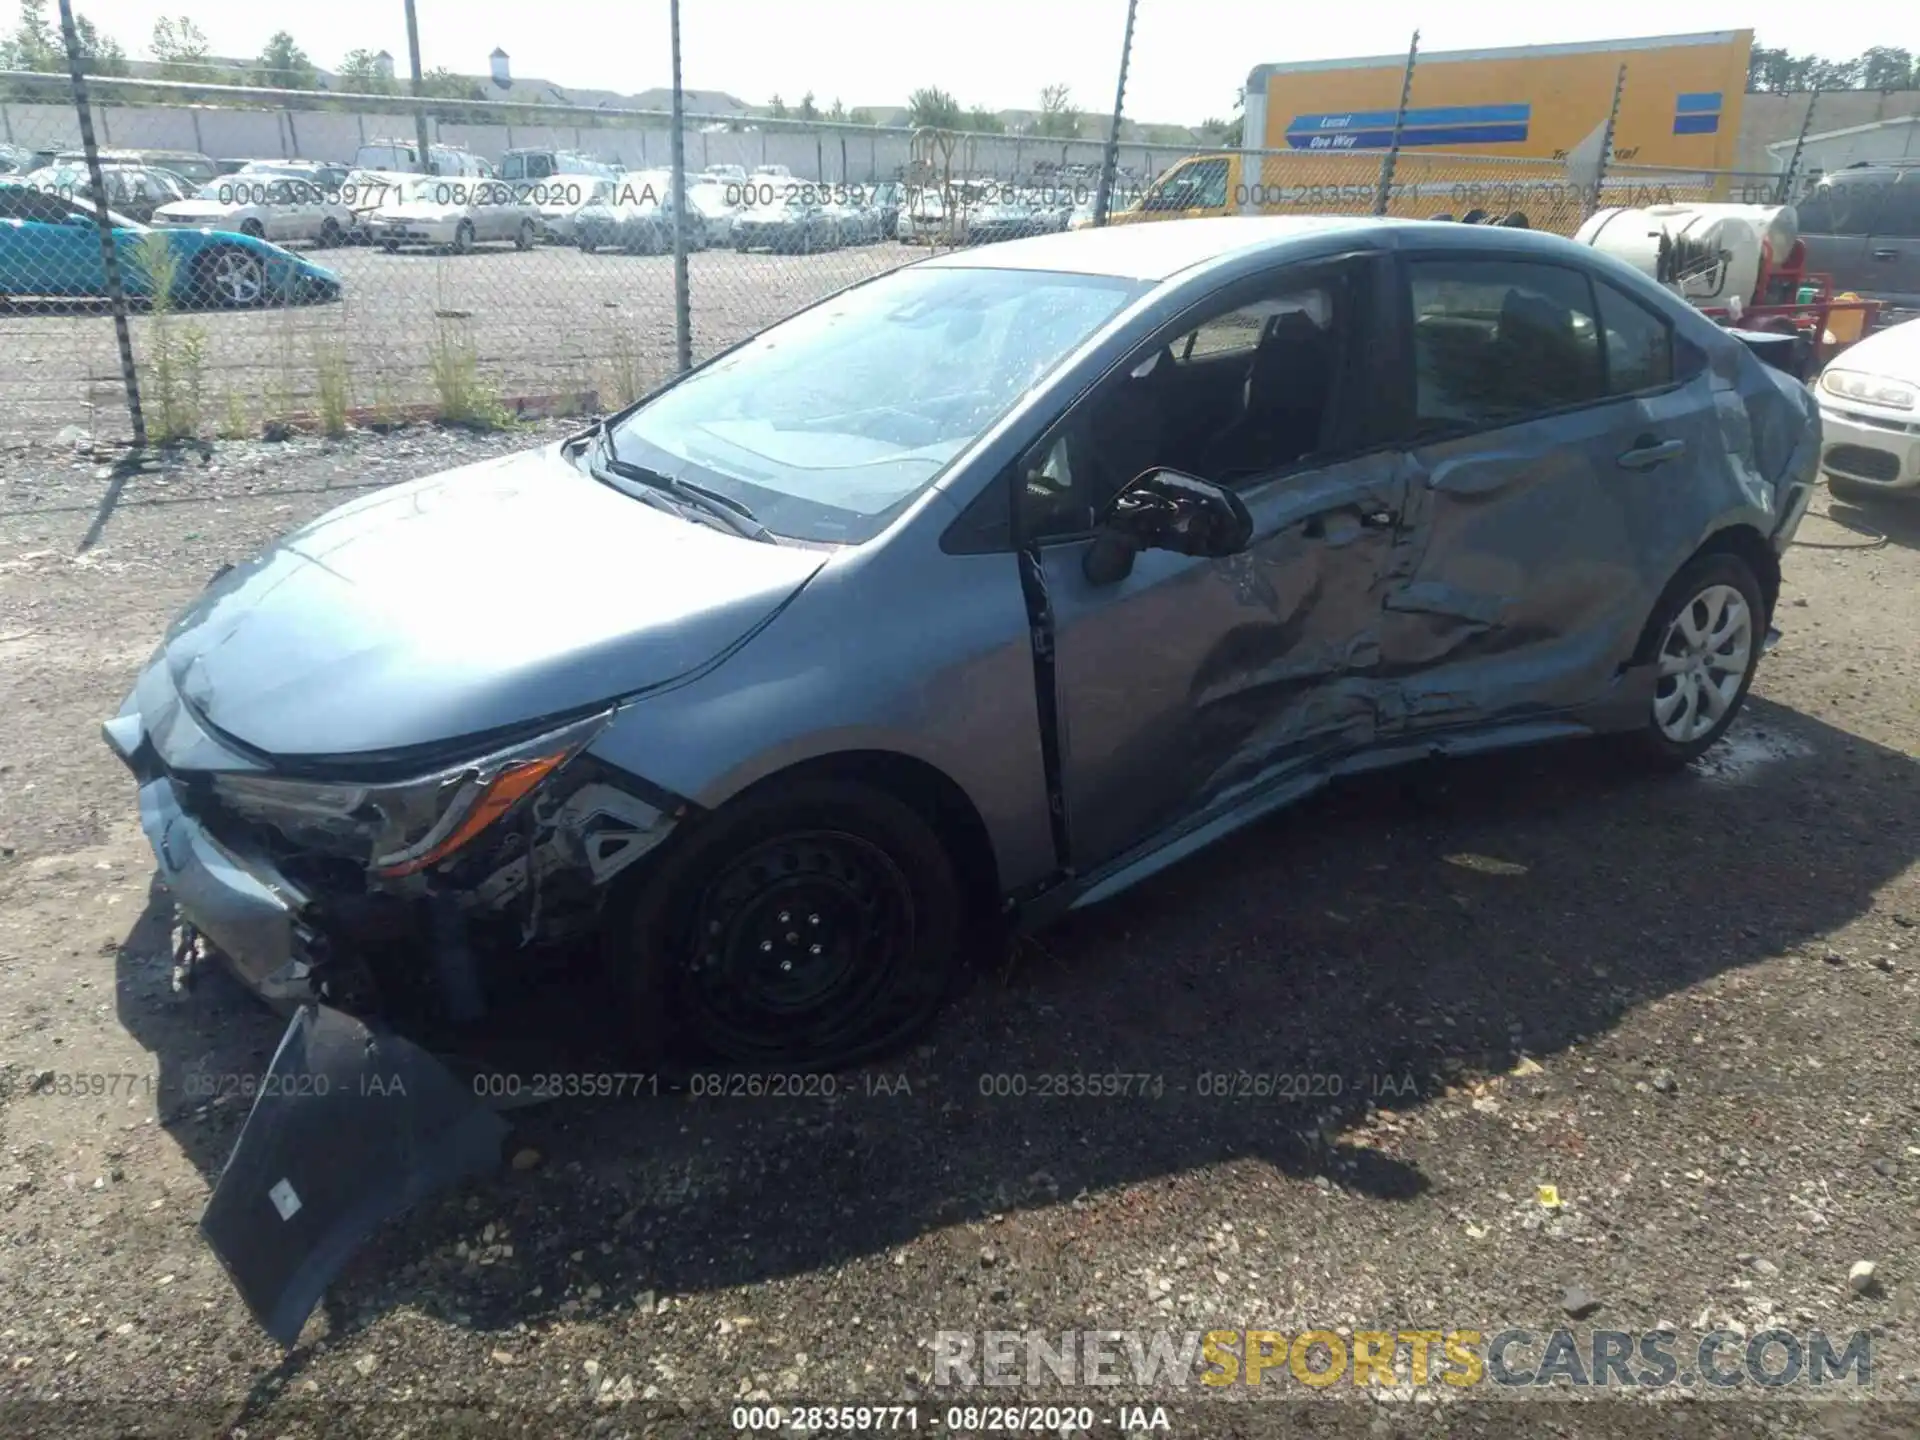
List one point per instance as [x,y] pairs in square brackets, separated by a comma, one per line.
[234,277]
[796,934]
[809,926]
[1704,659]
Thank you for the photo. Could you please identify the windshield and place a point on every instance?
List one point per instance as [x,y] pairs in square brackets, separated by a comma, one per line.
[828,424]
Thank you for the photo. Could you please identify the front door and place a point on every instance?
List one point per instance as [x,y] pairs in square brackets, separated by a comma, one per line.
[1193,684]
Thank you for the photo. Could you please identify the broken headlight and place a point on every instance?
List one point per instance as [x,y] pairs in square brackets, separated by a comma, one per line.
[404,827]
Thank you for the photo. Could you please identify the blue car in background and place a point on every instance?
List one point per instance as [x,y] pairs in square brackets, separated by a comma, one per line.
[50,246]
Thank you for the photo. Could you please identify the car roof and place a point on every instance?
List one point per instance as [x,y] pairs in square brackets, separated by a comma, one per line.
[1159,250]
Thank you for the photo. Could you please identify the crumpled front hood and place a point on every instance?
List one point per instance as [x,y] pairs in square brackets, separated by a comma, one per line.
[467,602]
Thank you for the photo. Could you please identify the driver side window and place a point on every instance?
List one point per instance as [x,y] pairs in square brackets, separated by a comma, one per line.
[1238,393]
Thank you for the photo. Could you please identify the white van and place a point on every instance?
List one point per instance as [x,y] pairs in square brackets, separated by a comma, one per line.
[403,156]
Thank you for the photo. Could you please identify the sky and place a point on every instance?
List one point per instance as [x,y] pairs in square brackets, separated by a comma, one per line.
[1190,58]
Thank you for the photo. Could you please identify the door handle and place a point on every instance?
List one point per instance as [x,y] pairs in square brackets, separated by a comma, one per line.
[1886,254]
[1648,452]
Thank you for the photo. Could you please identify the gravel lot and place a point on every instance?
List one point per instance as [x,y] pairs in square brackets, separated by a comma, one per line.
[1689,1005]
[545,321]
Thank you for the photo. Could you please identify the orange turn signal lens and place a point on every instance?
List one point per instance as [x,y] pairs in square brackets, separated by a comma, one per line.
[506,789]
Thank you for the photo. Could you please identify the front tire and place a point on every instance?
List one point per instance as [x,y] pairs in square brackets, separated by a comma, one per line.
[330,234]
[1705,641]
[523,238]
[807,928]
[463,238]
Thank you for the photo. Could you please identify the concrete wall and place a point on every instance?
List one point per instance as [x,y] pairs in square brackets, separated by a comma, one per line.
[1767,118]
[328,135]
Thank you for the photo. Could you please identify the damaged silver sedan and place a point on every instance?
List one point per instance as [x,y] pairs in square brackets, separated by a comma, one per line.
[976,592]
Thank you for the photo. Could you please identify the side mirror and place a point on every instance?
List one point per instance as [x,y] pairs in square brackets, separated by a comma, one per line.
[1166,510]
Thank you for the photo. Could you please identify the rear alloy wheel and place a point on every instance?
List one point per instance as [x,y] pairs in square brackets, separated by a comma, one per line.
[806,929]
[234,278]
[463,238]
[1709,627]
[524,239]
[254,229]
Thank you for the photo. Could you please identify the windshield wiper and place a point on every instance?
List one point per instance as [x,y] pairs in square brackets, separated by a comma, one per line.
[730,512]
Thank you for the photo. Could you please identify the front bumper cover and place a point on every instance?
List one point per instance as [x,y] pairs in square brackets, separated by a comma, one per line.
[350,1127]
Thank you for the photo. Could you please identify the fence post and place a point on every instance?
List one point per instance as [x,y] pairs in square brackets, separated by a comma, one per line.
[419,110]
[1606,144]
[109,252]
[1791,173]
[1384,188]
[682,301]
[1110,158]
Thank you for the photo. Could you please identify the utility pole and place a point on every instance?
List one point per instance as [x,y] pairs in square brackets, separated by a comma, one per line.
[1110,162]
[682,301]
[419,111]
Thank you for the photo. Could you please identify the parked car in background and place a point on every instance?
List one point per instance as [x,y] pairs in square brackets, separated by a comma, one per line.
[558,201]
[328,174]
[265,205]
[541,164]
[1003,220]
[403,157]
[365,191]
[454,214]
[135,191]
[924,218]
[1870,416]
[788,226]
[639,219]
[886,199]
[1861,226]
[191,166]
[50,245]
[853,223]
[711,199]
[14,160]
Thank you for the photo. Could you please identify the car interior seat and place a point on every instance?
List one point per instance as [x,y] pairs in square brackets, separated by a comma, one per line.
[1284,401]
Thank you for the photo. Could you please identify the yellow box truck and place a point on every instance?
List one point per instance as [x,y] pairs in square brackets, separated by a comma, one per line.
[1494,131]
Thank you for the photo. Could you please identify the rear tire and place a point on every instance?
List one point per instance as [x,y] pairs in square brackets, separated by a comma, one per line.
[807,928]
[230,277]
[523,238]
[1705,639]
[463,238]
[330,234]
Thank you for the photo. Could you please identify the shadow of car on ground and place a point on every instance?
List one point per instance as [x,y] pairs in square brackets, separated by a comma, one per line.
[1368,947]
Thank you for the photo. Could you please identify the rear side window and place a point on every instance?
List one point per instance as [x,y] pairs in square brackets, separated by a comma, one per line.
[1639,343]
[1841,207]
[1496,342]
[1900,210]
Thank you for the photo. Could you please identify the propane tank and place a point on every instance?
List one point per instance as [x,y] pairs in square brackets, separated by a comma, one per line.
[1708,254]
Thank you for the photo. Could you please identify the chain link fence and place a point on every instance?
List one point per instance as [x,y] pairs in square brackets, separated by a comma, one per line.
[289,266]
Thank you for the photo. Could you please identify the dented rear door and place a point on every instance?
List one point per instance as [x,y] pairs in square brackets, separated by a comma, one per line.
[1534,541]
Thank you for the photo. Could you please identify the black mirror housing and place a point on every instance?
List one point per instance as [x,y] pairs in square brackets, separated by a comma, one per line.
[1167,510]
